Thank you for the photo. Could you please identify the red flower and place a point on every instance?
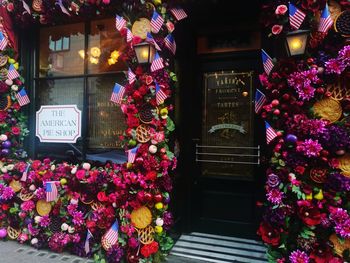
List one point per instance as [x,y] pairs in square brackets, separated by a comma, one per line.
[16,130]
[269,234]
[101,196]
[308,213]
[149,249]
[300,170]
[151,175]
[321,255]
[276,29]
[90,224]
[132,121]
[5,207]
[3,115]
[281,10]
[16,106]
[80,174]
[36,164]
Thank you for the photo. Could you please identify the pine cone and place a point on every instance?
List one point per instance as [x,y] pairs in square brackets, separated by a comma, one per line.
[306,244]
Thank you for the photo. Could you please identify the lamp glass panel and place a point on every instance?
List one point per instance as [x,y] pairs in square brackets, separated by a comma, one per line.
[297,44]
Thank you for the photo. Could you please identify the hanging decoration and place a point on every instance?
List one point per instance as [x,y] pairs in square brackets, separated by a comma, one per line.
[114,213]
[305,99]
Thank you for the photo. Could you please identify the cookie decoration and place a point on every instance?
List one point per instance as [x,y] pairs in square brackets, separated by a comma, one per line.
[141,217]
[143,133]
[12,232]
[318,175]
[338,92]
[342,24]
[3,60]
[37,5]
[146,235]
[3,73]
[25,196]
[328,109]
[344,165]
[5,103]
[141,27]
[15,185]
[146,114]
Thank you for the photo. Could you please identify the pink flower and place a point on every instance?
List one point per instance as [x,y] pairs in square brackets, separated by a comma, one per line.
[281,10]
[27,205]
[275,196]
[277,29]
[80,174]
[78,218]
[299,256]
[170,26]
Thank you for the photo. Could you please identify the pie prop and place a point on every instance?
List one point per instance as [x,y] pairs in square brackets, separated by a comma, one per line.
[141,217]
[3,60]
[342,23]
[16,186]
[141,27]
[318,175]
[25,196]
[146,115]
[334,9]
[344,165]
[328,109]
[146,235]
[43,208]
[12,232]
[37,5]
[5,103]
[143,133]
[3,73]
[339,246]
[96,205]
[337,92]
[85,199]
[107,245]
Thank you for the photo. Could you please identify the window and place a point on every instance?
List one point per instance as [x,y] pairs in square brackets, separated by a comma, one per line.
[78,64]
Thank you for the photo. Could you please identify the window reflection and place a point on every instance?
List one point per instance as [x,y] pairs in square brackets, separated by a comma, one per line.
[59,50]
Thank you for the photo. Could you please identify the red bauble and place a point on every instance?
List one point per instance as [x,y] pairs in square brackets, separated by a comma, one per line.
[286,96]
[275,103]
[276,112]
[148,197]
[158,198]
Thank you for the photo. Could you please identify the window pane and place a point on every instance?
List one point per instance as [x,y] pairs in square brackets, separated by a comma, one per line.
[104,43]
[55,61]
[106,120]
[60,92]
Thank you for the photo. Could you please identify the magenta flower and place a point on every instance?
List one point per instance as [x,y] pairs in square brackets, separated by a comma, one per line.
[78,218]
[302,83]
[311,148]
[344,55]
[274,196]
[7,193]
[44,221]
[343,229]
[334,66]
[299,256]
[27,206]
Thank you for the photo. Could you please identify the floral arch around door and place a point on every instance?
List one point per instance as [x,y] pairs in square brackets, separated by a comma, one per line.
[112,213]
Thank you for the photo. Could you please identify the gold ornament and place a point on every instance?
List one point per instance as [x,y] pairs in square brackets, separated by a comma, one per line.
[16,186]
[339,246]
[141,217]
[3,60]
[12,232]
[328,109]
[146,235]
[344,165]
[37,5]
[141,27]
[43,208]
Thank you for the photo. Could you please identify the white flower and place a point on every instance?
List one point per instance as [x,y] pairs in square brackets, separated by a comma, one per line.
[53,167]
[3,137]
[64,227]
[9,82]
[14,87]
[10,167]
[32,187]
[3,170]
[86,166]
[74,201]
[71,230]
[37,219]
[159,221]
[74,170]
[34,241]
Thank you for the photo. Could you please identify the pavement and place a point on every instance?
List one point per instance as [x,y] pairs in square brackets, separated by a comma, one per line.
[13,252]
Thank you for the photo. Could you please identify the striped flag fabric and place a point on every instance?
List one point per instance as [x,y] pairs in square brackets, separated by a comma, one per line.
[12,72]
[156,22]
[150,39]
[170,43]
[260,100]
[157,63]
[118,93]
[87,241]
[132,154]
[325,20]
[22,97]
[111,235]
[267,62]
[131,76]
[296,16]
[160,95]
[178,13]
[3,41]
[270,133]
[129,35]
[51,191]
[120,22]
[25,173]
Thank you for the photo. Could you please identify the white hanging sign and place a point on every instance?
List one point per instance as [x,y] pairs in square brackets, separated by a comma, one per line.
[58,123]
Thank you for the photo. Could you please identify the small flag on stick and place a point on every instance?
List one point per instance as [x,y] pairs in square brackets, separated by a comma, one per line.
[267,62]
[296,16]
[157,63]
[3,41]
[118,93]
[160,95]
[132,154]
[87,241]
[260,100]
[120,22]
[111,235]
[156,22]
[22,97]
[178,13]
[150,39]
[131,76]
[325,21]
[51,191]
[25,173]
[12,72]
[270,133]
[170,43]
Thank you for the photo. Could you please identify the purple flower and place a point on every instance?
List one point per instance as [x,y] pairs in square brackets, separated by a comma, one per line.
[27,205]
[302,83]
[78,218]
[310,148]
[72,208]
[275,196]
[44,221]
[339,216]
[273,180]
[343,229]
[299,256]
[7,193]
[32,230]
[40,193]
[334,66]
[344,55]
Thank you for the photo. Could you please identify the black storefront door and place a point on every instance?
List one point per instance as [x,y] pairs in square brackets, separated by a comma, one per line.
[226,147]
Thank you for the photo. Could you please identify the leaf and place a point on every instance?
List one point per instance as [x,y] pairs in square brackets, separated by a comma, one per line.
[170,125]
[281,163]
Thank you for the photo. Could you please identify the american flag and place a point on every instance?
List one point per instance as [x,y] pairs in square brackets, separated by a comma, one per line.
[25,173]
[131,76]
[160,95]
[157,63]
[111,235]
[22,97]
[129,35]
[260,100]
[270,133]
[151,40]
[118,93]
[267,62]
[296,16]
[178,13]
[156,22]
[3,41]
[87,243]
[170,43]
[325,21]
[51,191]
[132,154]
[12,72]
[120,22]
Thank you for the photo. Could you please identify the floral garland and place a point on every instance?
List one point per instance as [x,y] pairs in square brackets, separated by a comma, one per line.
[115,213]
[306,215]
